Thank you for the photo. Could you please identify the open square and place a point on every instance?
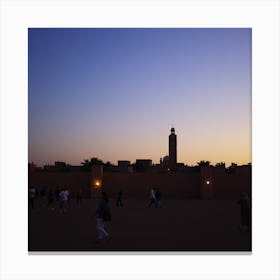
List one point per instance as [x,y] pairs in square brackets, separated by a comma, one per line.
[180,225]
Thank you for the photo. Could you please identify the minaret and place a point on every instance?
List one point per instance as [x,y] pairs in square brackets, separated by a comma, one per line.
[172,150]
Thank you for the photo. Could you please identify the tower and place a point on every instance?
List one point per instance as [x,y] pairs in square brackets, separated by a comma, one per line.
[172,150]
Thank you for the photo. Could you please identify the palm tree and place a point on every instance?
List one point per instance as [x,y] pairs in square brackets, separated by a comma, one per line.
[204,163]
[87,164]
[220,164]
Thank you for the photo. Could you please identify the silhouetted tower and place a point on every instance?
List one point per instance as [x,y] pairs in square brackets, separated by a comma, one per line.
[172,150]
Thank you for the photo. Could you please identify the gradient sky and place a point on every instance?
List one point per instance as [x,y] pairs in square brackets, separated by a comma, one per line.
[115,94]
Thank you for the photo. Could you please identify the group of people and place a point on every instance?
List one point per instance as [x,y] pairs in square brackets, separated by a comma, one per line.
[52,198]
[103,213]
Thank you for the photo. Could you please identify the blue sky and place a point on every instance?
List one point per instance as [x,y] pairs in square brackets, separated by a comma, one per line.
[115,93]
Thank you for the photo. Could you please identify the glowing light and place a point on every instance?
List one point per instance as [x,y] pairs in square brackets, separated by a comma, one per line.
[97,183]
[207,182]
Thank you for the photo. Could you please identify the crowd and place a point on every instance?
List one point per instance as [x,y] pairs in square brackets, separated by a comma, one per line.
[58,199]
[52,199]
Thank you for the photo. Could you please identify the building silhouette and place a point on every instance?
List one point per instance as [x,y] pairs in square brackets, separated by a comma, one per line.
[172,150]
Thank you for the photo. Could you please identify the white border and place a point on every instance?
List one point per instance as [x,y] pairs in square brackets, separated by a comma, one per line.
[17,16]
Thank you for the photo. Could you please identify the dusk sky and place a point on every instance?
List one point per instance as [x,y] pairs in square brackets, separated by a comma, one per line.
[115,94]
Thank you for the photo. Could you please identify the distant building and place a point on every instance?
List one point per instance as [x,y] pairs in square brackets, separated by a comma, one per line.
[32,167]
[164,163]
[143,165]
[123,163]
[172,150]
[60,164]
[124,166]
[180,167]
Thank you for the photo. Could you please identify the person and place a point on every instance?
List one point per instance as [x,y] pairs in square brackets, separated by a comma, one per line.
[119,199]
[63,196]
[245,212]
[152,197]
[103,215]
[158,197]
[57,192]
[67,197]
[42,197]
[31,196]
[50,200]
[79,195]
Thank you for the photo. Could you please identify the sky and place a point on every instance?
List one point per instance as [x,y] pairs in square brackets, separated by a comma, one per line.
[115,93]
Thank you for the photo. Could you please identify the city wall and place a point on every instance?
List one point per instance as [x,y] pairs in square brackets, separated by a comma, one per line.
[220,184]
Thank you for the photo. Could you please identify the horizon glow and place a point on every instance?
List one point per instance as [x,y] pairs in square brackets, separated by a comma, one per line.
[115,93]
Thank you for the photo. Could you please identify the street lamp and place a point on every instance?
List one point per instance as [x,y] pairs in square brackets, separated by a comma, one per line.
[97,183]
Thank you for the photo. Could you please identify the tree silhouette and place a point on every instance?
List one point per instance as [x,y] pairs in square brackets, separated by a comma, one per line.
[203,163]
[87,164]
[220,164]
[231,168]
[108,166]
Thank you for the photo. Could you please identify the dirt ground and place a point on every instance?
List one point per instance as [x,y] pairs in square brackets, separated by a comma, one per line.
[180,225]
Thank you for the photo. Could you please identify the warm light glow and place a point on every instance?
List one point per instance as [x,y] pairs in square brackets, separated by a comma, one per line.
[207,182]
[97,183]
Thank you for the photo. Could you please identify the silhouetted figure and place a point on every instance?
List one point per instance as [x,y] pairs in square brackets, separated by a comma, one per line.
[31,196]
[152,197]
[42,197]
[79,195]
[103,215]
[36,193]
[245,212]
[50,200]
[67,198]
[63,198]
[158,197]
[119,199]
[57,191]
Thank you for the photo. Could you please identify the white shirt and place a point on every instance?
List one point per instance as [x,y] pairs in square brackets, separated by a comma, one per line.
[63,195]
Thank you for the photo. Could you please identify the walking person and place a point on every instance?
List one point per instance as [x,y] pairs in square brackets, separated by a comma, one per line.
[158,198]
[50,200]
[103,215]
[63,196]
[152,197]
[79,196]
[31,196]
[43,197]
[57,197]
[119,199]
[67,198]
[245,212]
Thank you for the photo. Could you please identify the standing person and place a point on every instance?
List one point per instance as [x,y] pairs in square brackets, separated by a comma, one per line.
[57,197]
[42,197]
[79,195]
[119,199]
[57,191]
[103,215]
[31,196]
[158,197]
[67,196]
[152,197]
[50,200]
[63,200]
[245,212]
